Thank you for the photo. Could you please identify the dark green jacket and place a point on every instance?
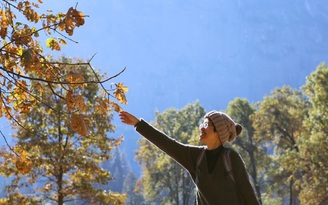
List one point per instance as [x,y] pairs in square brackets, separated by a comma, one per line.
[214,188]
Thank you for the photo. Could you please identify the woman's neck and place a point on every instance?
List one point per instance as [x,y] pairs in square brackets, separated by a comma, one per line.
[212,146]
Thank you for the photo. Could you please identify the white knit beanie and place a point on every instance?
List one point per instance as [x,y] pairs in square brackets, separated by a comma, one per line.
[224,125]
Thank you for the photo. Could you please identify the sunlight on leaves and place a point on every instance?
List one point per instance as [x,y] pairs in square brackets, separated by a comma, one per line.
[75,102]
[120,93]
[76,78]
[52,44]
[23,164]
[79,123]
[73,18]
[115,106]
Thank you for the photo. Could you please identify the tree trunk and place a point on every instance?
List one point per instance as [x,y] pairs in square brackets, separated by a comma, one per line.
[291,192]
[59,190]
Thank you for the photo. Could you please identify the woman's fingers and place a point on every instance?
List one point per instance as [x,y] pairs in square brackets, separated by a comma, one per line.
[128,118]
[123,116]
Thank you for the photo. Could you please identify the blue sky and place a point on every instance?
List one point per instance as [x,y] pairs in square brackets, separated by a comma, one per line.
[207,50]
[234,48]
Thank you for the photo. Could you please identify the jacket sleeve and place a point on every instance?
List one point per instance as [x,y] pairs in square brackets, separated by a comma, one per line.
[243,184]
[184,154]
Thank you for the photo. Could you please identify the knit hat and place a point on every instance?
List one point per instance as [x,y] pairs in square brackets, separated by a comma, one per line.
[224,125]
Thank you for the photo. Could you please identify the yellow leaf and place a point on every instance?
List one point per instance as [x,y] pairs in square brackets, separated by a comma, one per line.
[20,51]
[62,41]
[120,93]
[99,109]
[76,79]
[23,164]
[49,42]
[122,87]
[75,101]
[115,106]
[79,102]
[24,107]
[53,44]
[79,123]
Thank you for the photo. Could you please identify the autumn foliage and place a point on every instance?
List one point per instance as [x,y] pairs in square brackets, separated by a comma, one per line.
[23,61]
[70,91]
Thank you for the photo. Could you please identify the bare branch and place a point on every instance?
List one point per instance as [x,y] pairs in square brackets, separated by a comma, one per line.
[8,144]
[64,36]
[63,82]
[56,94]
[11,4]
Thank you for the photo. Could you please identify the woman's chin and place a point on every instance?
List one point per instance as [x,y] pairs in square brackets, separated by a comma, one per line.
[201,138]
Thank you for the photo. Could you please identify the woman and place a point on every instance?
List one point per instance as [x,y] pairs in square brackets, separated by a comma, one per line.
[208,173]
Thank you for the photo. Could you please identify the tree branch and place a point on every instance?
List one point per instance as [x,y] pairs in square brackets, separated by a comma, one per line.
[28,92]
[11,117]
[63,82]
[8,144]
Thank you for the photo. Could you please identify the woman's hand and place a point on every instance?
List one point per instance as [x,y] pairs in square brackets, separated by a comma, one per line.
[128,118]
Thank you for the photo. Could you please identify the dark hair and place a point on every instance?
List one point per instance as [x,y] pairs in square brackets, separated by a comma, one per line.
[239,128]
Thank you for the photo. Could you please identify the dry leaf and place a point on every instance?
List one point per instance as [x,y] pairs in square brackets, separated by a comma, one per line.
[23,164]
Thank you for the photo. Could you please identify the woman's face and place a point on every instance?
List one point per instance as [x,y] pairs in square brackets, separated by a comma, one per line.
[207,132]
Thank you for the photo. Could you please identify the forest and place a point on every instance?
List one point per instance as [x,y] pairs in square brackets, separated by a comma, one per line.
[62,108]
[284,145]
[283,142]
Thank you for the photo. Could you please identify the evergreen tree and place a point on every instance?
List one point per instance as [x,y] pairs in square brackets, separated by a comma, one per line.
[134,196]
[119,168]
